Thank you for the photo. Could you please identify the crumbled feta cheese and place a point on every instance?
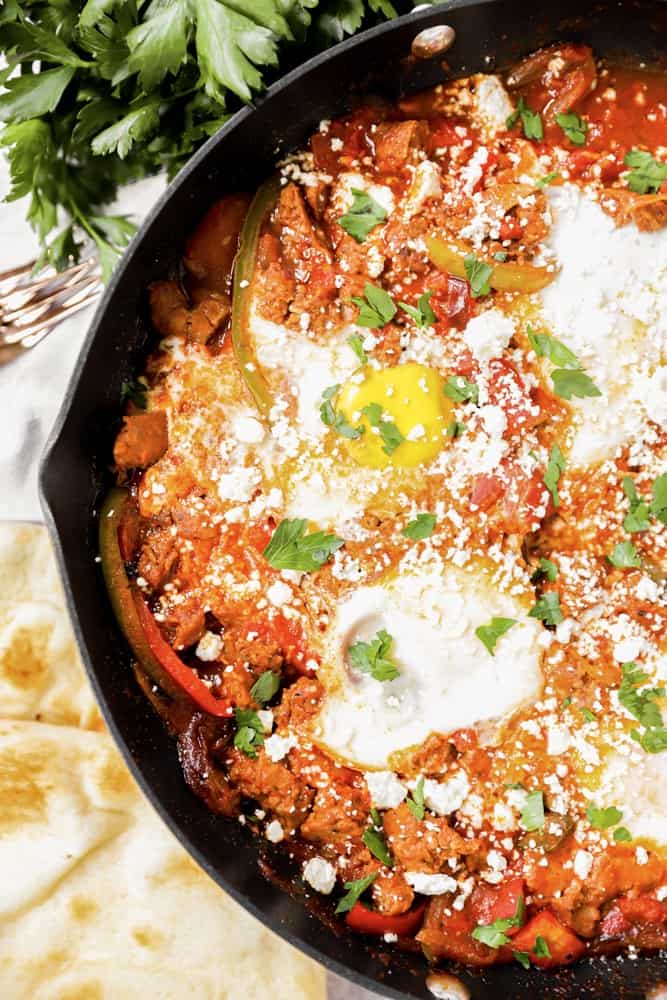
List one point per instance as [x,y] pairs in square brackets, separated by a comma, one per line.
[209,647]
[265,716]
[248,429]
[488,334]
[444,797]
[277,747]
[274,832]
[430,885]
[583,862]
[279,594]
[320,875]
[386,790]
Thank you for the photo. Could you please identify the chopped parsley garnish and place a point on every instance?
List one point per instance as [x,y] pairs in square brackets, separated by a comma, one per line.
[458,388]
[357,345]
[568,383]
[501,256]
[523,958]
[548,609]
[364,214]
[455,429]
[546,346]
[389,432]
[249,731]
[575,128]
[541,948]
[374,840]
[651,740]
[530,120]
[547,179]
[376,309]
[640,704]
[646,175]
[374,657]
[265,687]
[134,390]
[291,548]
[587,714]
[622,835]
[603,819]
[495,935]
[355,890]
[546,568]
[532,814]
[415,801]
[338,421]
[478,274]
[625,556]
[659,501]
[555,468]
[420,527]
[489,634]
[327,412]
[422,314]
[637,518]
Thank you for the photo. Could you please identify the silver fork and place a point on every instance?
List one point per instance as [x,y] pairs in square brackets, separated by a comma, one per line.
[32,305]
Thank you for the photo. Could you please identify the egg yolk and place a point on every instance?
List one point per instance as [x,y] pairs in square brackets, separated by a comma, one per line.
[402,414]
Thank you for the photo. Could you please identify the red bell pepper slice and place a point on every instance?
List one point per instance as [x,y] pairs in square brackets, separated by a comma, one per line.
[367,921]
[153,652]
[186,678]
[564,946]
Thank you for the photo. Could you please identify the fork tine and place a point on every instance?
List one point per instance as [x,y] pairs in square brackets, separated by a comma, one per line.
[17,305]
[50,314]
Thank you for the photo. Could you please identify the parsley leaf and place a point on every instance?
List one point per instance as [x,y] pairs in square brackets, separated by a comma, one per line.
[355,889]
[137,124]
[455,429]
[376,309]
[659,501]
[249,732]
[265,687]
[547,179]
[458,388]
[415,801]
[374,657]
[478,274]
[327,412]
[364,214]
[587,714]
[420,527]
[568,383]
[548,609]
[637,518]
[495,935]
[625,556]
[32,95]
[291,548]
[546,568]
[134,390]
[574,127]
[541,948]
[602,819]
[489,634]
[389,432]
[530,120]
[646,175]
[546,346]
[532,814]
[555,468]
[501,256]
[159,44]
[651,740]
[622,835]
[346,430]
[374,840]
[523,958]
[640,704]
[422,314]
[357,345]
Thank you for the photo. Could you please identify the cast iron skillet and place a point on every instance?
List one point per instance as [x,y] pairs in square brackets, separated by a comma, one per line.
[489,34]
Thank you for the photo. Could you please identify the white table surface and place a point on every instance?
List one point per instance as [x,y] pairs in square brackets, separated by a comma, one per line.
[32,387]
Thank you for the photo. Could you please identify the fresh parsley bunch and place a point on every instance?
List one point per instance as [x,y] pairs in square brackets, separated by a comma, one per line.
[102,92]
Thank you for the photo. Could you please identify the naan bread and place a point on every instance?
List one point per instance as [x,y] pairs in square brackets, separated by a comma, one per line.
[98,900]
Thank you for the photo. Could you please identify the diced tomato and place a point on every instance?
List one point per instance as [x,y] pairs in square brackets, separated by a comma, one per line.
[614,924]
[508,390]
[450,301]
[564,946]
[642,909]
[499,902]
[464,739]
[487,491]
[367,921]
